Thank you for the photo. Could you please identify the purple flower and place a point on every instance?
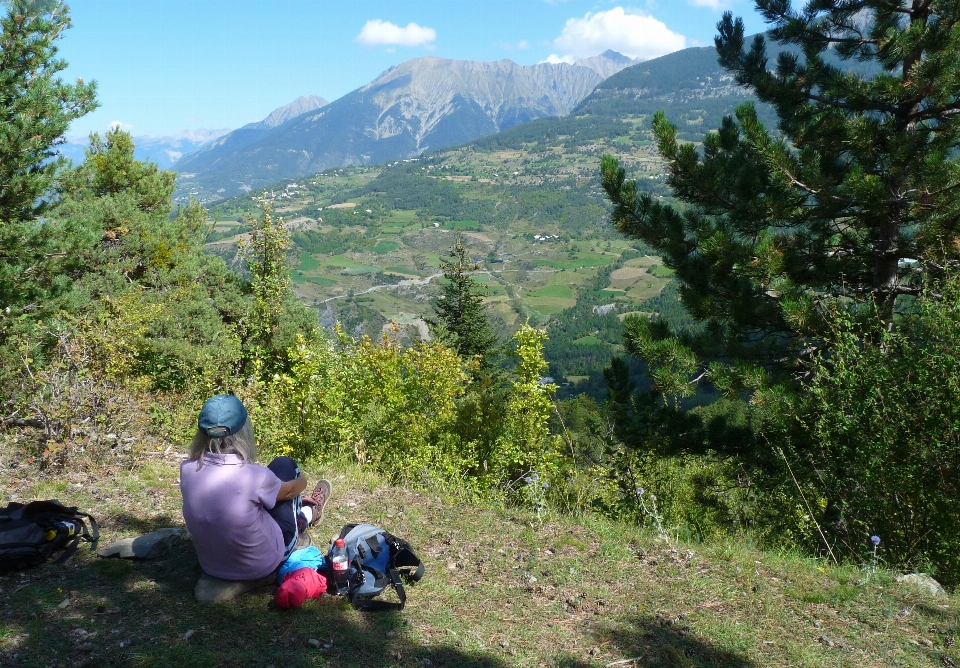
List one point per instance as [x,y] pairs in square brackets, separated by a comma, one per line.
[640,491]
[545,485]
[535,477]
[875,540]
[528,480]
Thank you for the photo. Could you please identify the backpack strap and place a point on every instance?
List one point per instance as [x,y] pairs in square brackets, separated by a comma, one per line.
[404,559]
[373,604]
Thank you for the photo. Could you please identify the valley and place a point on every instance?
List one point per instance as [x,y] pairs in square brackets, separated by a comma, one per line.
[368,242]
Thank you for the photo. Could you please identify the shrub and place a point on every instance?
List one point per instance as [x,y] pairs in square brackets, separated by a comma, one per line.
[875,442]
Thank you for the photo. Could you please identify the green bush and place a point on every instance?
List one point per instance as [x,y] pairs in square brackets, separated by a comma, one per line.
[875,441]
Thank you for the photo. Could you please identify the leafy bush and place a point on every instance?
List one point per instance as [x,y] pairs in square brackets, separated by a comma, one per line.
[876,439]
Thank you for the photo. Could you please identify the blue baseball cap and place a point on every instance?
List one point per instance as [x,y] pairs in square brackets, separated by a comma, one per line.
[222,415]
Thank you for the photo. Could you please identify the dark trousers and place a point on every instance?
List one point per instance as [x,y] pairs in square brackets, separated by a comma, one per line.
[285,513]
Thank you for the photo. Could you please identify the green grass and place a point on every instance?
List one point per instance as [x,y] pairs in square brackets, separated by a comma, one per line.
[386,247]
[548,305]
[359,270]
[462,224]
[661,272]
[501,589]
[322,281]
[554,291]
[307,263]
[342,261]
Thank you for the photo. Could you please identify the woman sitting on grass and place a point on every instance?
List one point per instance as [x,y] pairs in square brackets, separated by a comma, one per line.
[245,519]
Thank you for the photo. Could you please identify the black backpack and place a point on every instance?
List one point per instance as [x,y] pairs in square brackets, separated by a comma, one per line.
[377,559]
[31,533]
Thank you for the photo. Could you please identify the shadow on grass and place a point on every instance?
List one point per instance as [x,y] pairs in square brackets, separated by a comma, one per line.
[127,523]
[110,612]
[652,641]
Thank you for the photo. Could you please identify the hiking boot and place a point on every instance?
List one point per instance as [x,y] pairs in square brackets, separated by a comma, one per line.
[318,499]
[303,541]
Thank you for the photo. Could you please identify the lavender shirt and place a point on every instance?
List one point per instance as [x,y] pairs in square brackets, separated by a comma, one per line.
[225,507]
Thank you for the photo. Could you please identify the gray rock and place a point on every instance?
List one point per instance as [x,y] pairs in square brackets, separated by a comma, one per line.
[923,582]
[214,590]
[149,546]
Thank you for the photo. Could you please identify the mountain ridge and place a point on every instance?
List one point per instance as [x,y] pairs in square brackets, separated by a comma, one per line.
[419,105]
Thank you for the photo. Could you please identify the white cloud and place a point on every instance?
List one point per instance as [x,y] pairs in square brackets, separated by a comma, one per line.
[510,46]
[120,125]
[633,34]
[379,32]
[715,5]
[555,59]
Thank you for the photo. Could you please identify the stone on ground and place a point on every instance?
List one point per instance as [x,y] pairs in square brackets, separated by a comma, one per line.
[149,546]
[923,582]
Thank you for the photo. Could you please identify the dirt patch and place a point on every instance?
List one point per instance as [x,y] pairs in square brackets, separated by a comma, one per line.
[301,223]
[627,273]
[479,236]
[343,205]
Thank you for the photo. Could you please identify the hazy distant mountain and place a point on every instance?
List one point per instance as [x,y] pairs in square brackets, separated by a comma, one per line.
[423,104]
[251,132]
[164,151]
[167,150]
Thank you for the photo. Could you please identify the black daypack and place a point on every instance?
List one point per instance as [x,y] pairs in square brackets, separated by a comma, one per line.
[31,533]
[377,560]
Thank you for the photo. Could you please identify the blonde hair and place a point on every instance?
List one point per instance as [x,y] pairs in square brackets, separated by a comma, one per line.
[241,444]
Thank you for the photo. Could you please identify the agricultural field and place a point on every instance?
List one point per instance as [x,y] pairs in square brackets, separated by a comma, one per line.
[369,242]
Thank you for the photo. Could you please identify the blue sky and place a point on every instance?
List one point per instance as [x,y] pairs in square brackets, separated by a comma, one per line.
[167,65]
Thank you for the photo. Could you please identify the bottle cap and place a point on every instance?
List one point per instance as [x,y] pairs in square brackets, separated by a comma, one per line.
[339,542]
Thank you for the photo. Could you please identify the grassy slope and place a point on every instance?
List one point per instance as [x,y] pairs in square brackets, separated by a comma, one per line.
[500,590]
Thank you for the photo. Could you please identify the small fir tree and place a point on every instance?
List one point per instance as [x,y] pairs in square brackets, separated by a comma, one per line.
[461,320]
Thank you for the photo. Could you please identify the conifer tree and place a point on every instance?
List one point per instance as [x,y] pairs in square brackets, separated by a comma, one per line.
[852,200]
[36,108]
[461,320]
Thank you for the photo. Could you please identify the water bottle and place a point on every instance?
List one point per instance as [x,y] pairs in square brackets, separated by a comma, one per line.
[65,528]
[340,566]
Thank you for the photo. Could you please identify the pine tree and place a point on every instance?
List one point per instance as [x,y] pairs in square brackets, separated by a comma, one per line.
[461,320]
[853,199]
[36,109]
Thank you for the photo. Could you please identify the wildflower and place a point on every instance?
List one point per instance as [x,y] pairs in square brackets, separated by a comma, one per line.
[875,540]
[640,491]
[653,497]
[546,485]
[528,480]
[535,477]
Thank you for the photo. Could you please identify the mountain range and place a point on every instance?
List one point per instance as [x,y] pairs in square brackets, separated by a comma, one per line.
[166,150]
[162,150]
[421,105]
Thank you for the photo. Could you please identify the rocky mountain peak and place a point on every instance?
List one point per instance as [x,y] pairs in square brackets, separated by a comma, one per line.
[281,115]
[607,63]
